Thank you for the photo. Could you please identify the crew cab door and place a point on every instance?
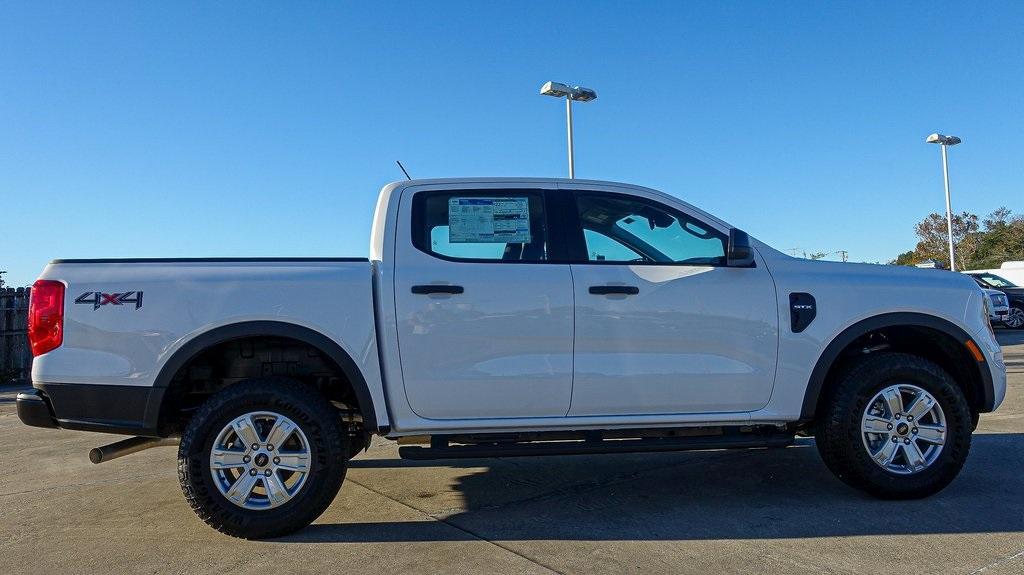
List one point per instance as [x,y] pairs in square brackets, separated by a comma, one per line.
[484,316]
[662,325]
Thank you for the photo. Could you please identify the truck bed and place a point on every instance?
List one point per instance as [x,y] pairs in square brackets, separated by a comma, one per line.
[125,318]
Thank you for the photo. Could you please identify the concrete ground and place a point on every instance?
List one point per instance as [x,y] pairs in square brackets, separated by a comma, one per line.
[698,512]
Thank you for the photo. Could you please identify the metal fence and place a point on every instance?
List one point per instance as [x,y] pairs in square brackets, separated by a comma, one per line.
[15,356]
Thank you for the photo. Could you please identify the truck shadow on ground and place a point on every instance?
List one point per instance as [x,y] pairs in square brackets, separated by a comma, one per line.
[754,494]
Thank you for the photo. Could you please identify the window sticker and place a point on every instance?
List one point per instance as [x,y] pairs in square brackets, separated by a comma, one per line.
[489,220]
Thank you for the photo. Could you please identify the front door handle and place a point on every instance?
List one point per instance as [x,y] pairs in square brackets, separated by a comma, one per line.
[614,290]
[437,288]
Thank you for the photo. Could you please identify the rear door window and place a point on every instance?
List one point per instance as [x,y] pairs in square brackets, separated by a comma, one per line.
[493,226]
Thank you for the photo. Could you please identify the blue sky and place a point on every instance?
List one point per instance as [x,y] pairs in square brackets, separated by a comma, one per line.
[163,129]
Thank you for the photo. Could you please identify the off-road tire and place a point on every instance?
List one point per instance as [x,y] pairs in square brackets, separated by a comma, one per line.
[838,431]
[328,444]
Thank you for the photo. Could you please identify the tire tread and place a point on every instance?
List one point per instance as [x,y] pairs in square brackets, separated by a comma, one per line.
[223,516]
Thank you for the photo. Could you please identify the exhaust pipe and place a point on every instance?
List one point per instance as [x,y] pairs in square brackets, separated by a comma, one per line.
[127,447]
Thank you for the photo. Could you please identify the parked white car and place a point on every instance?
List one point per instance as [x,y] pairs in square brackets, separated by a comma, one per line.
[505,317]
[1000,308]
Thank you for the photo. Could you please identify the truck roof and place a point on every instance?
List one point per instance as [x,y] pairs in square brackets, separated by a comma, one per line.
[516,179]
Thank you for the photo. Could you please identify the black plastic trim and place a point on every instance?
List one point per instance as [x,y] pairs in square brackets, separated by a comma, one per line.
[204,260]
[836,346]
[89,407]
[35,410]
[802,311]
[561,220]
[324,344]
[614,290]
[437,288]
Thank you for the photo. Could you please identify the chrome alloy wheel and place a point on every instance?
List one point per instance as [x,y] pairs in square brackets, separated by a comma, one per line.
[260,460]
[1014,319]
[903,429]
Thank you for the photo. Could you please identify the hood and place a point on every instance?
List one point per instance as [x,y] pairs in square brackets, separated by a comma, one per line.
[852,273]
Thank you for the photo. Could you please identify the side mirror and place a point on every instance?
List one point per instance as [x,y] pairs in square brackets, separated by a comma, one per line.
[739,253]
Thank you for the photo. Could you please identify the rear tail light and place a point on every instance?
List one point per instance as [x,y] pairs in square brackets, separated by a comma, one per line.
[46,316]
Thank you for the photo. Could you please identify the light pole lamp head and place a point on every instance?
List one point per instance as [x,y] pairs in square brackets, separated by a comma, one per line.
[556,89]
[938,138]
[581,94]
[560,90]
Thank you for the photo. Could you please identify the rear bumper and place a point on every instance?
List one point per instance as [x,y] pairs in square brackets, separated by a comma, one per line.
[124,409]
[34,409]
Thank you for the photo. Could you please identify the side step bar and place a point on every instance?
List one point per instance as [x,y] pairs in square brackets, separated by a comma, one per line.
[440,448]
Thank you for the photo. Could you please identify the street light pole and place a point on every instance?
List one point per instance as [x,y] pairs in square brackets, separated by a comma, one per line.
[578,93]
[568,123]
[949,209]
[944,142]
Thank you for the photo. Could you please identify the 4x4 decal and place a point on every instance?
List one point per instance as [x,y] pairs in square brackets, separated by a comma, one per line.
[98,299]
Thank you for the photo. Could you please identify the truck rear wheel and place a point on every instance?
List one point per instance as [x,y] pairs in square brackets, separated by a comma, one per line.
[897,427]
[262,458]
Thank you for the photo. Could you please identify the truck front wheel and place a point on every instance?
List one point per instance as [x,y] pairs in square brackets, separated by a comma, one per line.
[262,458]
[897,427]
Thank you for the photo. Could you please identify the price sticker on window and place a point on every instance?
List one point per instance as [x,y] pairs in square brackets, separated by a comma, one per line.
[489,220]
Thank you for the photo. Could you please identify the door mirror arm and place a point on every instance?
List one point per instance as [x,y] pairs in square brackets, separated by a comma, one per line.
[739,253]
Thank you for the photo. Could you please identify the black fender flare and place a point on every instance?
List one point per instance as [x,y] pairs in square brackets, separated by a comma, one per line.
[817,381]
[325,345]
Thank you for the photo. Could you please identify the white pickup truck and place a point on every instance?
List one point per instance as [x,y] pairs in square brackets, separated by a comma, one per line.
[510,317]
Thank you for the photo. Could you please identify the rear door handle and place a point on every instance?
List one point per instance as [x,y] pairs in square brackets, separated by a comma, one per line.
[614,290]
[436,288]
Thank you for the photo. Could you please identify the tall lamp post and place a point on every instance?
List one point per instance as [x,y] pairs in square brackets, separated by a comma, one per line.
[944,142]
[577,93]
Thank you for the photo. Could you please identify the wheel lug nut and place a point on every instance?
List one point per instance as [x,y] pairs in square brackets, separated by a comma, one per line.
[895,439]
[897,416]
[270,447]
[906,441]
[255,446]
[914,431]
[252,472]
[277,460]
[246,459]
[889,427]
[910,418]
[267,473]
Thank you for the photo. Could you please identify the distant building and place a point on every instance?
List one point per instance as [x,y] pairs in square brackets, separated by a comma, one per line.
[931,264]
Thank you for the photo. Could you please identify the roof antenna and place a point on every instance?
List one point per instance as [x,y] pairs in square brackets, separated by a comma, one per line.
[403,169]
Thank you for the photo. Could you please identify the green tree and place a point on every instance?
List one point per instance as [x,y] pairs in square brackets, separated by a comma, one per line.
[999,238]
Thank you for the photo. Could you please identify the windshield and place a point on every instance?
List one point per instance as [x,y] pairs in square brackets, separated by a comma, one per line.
[995,281]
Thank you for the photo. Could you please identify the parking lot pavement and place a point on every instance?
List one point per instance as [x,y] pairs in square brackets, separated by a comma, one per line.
[777,511]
